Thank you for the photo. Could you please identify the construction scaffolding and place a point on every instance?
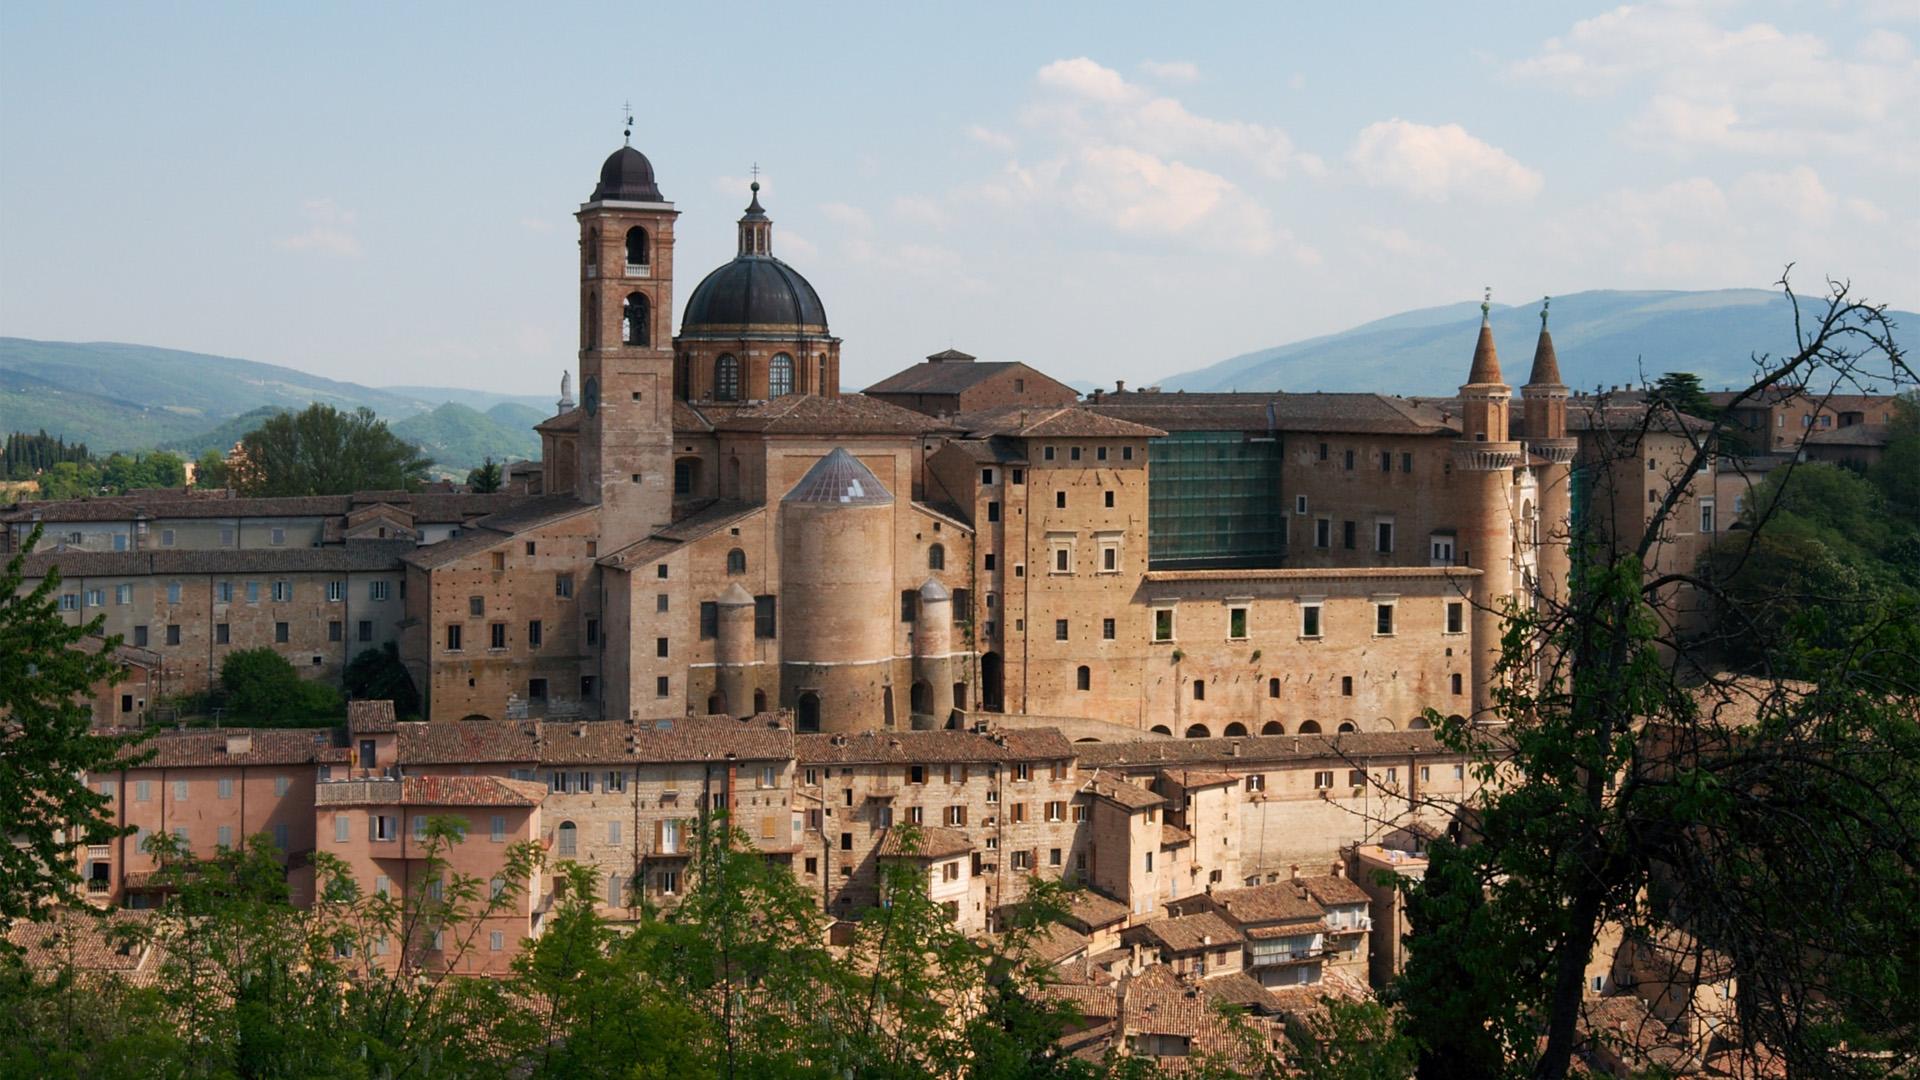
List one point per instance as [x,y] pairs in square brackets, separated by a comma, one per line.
[1214,500]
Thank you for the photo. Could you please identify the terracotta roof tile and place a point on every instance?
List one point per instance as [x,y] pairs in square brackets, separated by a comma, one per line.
[469,742]
[1245,750]
[1053,421]
[1192,779]
[1328,889]
[811,414]
[935,747]
[1278,412]
[933,843]
[1281,901]
[1184,933]
[1174,836]
[946,376]
[1090,911]
[692,738]
[1130,797]
[363,556]
[249,746]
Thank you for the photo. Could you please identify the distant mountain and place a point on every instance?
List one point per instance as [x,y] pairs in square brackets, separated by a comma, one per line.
[459,438]
[1602,338]
[136,397]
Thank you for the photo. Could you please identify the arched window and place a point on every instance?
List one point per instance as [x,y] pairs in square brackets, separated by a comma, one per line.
[569,839]
[1346,727]
[780,376]
[807,712]
[726,378]
[1161,729]
[1199,689]
[1235,728]
[1273,727]
[1083,678]
[1309,727]
[920,698]
[590,250]
[1198,731]
[636,246]
[937,557]
[1273,687]
[736,561]
[1418,723]
[759,701]
[591,331]
[634,323]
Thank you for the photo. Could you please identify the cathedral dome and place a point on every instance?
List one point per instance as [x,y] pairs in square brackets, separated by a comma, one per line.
[627,176]
[754,291]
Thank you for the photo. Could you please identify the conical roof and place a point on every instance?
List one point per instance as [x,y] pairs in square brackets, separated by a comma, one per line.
[932,591]
[1546,366]
[735,596]
[839,478]
[1486,362]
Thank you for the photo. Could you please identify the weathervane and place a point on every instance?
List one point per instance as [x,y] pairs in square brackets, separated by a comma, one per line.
[627,134]
[1486,303]
[1545,303]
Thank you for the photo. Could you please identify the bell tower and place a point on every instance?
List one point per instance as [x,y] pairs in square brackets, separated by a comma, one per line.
[626,350]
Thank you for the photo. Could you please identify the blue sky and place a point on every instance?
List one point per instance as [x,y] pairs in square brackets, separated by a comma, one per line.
[383,193]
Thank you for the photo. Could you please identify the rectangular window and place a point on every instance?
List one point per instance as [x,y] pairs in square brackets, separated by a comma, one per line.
[1163,624]
[140,636]
[660,603]
[1059,629]
[225,787]
[1323,780]
[276,537]
[497,829]
[282,632]
[336,630]
[336,591]
[173,633]
[226,536]
[1383,618]
[496,940]
[1349,461]
[1106,629]
[1109,557]
[909,605]
[179,791]
[709,620]
[1059,500]
[1458,684]
[1346,686]
[988,562]
[563,586]
[453,637]
[1456,616]
[1322,533]
[993,511]
[986,477]
[537,689]
[660,687]
[1237,623]
[766,620]
[1386,461]
[1383,537]
[1046,453]
[222,632]
[1706,515]
[1309,620]
[1406,462]
[341,828]
[282,592]
[593,632]
[366,630]
[1349,535]
[614,781]
[956,816]
[122,595]
[1062,560]
[379,590]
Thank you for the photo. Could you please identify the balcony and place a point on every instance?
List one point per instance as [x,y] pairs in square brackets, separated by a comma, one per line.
[98,887]
[99,852]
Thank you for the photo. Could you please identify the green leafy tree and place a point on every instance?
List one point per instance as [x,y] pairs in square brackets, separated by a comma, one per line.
[264,687]
[1632,783]
[378,675]
[210,471]
[1681,391]
[486,479]
[47,744]
[323,451]
[1349,1040]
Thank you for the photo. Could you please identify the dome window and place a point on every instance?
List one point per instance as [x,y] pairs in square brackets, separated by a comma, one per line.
[636,247]
[726,378]
[780,376]
[634,323]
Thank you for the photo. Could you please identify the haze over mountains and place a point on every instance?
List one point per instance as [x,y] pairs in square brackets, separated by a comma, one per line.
[138,397]
[1603,338]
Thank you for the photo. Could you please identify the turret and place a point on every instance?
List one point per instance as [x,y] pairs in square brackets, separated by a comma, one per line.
[1483,463]
[836,575]
[1552,453]
[733,650]
[932,696]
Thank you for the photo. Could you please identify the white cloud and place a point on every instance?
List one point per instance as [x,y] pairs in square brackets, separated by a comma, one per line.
[1396,241]
[329,230]
[989,138]
[1083,78]
[1749,89]
[1171,70]
[847,217]
[1438,163]
[919,210]
[741,186]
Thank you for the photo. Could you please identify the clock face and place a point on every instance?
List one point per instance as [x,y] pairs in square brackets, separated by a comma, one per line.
[590,394]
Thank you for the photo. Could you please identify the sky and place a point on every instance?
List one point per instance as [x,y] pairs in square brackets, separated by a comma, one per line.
[383,193]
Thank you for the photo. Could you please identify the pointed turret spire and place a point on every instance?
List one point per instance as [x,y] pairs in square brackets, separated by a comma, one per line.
[1486,361]
[756,228]
[1546,365]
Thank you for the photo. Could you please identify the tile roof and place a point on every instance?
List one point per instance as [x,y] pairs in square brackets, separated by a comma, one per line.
[1237,751]
[1089,910]
[496,529]
[97,943]
[709,519]
[944,376]
[1852,435]
[468,742]
[934,842]
[996,449]
[691,738]
[1330,889]
[1277,411]
[1243,990]
[1129,797]
[1158,1002]
[1184,933]
[1281,901]
[1057,941]
[563,422]
[1192,779]
[934,747]
[1174,836]
[437,507]
[363,556]
[1052,421]
[252,746]
[429,791]
[370,717]
[811,414]
[1093,1002]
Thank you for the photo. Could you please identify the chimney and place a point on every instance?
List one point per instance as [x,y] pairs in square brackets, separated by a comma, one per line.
[1296,871]
[1235,750]
[239,742]
[1119,386]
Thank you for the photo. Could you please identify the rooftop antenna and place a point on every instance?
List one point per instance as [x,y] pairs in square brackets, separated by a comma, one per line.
[626,135]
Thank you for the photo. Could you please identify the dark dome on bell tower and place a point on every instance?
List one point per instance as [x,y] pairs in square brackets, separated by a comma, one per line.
[627,176]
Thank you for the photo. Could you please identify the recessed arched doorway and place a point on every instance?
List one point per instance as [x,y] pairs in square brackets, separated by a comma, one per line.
[1235,728]
[806,712]
[1197,731]
[920,698]
[1273,727]
[992,674]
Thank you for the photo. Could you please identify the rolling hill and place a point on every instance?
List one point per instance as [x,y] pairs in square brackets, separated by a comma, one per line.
[1602,337]
[115,396]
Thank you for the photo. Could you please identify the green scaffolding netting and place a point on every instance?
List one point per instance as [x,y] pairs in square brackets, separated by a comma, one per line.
[1213,499]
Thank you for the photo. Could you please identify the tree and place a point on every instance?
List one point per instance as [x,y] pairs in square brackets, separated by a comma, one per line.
[1349,1040]
[47,745]
[485,480]
[323,451]
[378,675]
[210,470]
[1681,391]
[263,686]
[1633,782]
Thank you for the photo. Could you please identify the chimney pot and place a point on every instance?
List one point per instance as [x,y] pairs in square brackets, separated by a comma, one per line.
[1296,871]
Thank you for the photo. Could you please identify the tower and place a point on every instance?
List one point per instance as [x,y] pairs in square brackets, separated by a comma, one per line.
[1483,462]
[1547,442]
[626,353]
